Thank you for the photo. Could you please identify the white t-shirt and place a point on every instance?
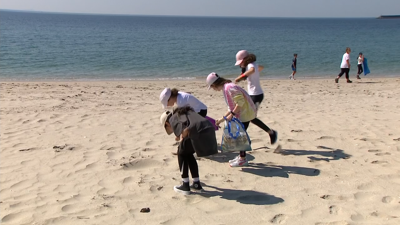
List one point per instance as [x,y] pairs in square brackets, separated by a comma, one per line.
[360,60]
[344,64]
[184,99]
[253,81]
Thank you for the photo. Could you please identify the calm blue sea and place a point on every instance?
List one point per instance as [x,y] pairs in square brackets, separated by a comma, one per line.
[75,46]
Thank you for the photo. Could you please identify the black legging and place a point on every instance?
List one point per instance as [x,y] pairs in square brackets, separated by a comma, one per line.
[360,69]
[257,99]
[344,70]
[203,112]
[246,125]
[186,160]
[186,163]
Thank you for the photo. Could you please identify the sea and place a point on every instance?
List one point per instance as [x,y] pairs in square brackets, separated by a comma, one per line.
[56,46]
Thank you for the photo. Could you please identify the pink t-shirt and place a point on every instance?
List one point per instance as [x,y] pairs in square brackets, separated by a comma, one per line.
[236,95]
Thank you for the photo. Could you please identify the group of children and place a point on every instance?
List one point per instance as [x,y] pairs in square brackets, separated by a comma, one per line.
[194,131]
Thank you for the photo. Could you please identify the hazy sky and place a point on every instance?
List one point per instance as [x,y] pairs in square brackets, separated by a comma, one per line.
[236,8]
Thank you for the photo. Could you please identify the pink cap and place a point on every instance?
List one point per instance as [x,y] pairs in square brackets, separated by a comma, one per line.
[240,56]
[211,78]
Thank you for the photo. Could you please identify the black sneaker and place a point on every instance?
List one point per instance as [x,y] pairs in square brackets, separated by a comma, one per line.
[273,137]
[349,81]
[196,186]
[336,80]
[358,77]
[183,188]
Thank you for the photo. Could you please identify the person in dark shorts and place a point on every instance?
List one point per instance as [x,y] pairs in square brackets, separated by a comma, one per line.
[294,66]
[251,72]
[360,61]
[345,66]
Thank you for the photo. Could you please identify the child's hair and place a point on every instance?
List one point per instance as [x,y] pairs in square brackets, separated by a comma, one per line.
[169,114]
[347,49]
[249,59]
[183,110]
[221,81]
[174,92]
[295,54]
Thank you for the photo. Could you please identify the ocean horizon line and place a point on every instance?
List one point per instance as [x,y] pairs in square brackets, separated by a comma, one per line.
[176,16]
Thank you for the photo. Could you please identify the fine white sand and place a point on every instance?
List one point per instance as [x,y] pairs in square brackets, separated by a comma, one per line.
[95,153]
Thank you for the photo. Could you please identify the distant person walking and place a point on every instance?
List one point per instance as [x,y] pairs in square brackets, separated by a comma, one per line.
[360,60]
[345,66]
[294,66]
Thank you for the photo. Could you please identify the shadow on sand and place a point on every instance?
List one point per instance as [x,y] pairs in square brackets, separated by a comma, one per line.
[266,170]
[242,196]
[332,154]
[224,157]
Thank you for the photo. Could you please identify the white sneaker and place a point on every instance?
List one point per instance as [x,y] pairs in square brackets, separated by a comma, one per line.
[240,162]
[235,159]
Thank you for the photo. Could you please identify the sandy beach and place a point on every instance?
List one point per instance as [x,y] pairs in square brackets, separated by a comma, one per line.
[95,153]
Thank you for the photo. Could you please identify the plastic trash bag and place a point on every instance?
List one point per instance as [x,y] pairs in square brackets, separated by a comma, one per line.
[235,137]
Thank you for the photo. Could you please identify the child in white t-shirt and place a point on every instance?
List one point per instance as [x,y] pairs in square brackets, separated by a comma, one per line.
[252,75]
[360,61]
[345,66]
[170,97]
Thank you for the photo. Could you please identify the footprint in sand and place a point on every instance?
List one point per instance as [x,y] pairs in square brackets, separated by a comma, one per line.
[383,153]
[279,219]
[278,149]
[387,199]
[333,197]
[335,210]
[296,131]
[379,162]
[325,137]
[374,150]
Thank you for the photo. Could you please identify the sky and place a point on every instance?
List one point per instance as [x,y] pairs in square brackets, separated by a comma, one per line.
[224,8]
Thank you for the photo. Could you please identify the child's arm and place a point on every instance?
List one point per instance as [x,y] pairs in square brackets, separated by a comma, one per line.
[260,68]
[228,115]
[243,76]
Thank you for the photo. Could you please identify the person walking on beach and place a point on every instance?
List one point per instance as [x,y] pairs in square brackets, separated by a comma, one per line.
[240,105]
[197,135]
[170,97]
[252,75]
[360,60]
[294,66]
[345,66]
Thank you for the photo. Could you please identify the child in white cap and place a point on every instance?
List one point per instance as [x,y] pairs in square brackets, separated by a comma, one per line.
[196,134]
[173,97]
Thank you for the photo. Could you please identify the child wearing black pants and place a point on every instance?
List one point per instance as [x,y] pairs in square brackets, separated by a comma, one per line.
[197,135]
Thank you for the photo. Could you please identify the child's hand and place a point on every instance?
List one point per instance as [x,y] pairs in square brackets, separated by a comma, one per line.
[185,133]
[177,138]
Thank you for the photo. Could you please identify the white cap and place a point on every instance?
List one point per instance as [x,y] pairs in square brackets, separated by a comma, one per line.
[164,117]
[240,56]
[164,97]
[211,78]
[163,120]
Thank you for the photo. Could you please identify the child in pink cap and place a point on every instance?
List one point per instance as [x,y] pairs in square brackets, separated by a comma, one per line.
[239,104]
[252,71]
